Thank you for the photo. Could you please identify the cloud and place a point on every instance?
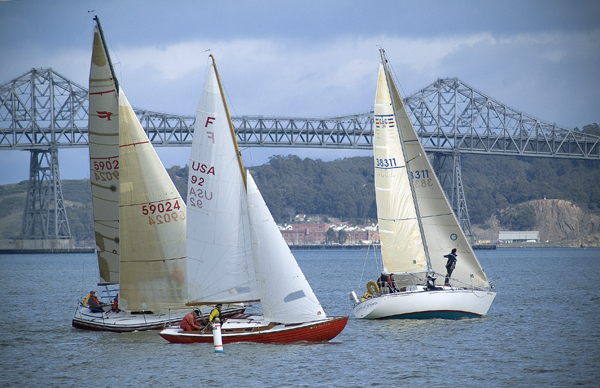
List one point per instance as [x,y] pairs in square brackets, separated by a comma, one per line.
[551,75]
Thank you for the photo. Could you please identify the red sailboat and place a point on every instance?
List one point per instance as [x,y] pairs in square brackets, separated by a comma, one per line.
[235,252]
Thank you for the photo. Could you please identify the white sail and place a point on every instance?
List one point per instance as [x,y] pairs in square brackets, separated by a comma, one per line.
[402,247]
[104,160]
[440,227]
[219,254]
[152,222]
[285,294]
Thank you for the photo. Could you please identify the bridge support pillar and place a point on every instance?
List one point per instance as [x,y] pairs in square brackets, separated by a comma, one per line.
[448,169]
[45,223]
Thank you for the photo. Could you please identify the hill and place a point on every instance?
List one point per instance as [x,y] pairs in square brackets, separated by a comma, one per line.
[503,193]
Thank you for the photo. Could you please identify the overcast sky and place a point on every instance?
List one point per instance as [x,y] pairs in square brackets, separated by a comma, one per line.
[310,58]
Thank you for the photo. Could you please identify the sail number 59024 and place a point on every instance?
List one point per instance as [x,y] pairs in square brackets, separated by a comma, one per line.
[163,212]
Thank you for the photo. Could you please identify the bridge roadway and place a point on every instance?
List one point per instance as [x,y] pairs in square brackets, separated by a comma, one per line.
[42,108]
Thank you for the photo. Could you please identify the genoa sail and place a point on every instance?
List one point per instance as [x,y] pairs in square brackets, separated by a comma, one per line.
[152,221]
[285,294]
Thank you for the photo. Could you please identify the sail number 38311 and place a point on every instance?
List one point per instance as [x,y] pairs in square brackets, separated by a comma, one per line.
[421,178]
[391,162]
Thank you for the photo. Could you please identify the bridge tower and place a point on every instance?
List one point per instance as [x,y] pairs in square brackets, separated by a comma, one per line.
[39,112]
[45,223]
[448,169]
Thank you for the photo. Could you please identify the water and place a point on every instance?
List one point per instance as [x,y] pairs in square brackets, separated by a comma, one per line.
[542,330]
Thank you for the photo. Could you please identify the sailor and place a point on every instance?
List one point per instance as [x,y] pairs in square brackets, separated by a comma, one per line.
[190,322]
[93,303]
[382,282]
[392,284]
[216,313]
[431,281]
[450,265]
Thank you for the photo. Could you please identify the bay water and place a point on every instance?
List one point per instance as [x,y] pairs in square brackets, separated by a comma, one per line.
[543,329]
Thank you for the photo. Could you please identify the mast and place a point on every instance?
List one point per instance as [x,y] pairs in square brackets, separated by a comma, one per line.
[110,65]
[237,148]
[397,101]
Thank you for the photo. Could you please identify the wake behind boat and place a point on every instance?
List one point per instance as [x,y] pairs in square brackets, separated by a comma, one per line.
[417,227]
[235,246]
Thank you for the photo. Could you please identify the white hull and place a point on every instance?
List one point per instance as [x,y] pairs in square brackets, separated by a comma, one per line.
[125,321]
[448,303]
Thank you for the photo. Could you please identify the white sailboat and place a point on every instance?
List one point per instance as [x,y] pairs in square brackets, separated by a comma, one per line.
[139,216]
[234,242]
[417,226]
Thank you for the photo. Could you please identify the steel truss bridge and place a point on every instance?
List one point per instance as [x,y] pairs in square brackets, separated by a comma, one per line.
[42,111]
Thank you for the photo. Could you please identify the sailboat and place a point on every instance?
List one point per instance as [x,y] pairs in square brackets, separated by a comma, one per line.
[417,227]
[233,240]
[139,216]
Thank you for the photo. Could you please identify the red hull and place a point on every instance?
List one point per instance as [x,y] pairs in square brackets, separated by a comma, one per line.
[319,332]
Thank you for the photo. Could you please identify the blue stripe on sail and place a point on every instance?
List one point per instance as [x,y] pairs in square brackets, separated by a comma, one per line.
[409,141]
[398,219]
[437,215]
[389,168]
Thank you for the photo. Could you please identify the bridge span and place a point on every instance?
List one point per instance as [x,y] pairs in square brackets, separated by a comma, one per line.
[43,111]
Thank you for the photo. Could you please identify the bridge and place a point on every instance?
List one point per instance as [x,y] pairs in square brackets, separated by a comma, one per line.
[42,111]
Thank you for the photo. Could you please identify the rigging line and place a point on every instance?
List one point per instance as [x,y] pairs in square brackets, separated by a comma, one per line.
[364,266]
[396,78]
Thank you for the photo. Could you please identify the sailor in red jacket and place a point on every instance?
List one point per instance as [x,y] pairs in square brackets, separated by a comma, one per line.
[189,322]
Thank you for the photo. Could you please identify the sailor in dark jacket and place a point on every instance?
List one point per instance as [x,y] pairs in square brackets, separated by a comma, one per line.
[450,265]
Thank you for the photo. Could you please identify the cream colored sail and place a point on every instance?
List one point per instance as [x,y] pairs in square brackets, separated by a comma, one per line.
[285,294]
[219,254]
[402,248]
[104,160]
[441,230]
[152,221]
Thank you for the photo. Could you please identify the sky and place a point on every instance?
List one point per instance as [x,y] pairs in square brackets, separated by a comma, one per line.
[309,58]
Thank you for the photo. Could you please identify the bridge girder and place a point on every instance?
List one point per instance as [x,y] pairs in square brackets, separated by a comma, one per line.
[42,107]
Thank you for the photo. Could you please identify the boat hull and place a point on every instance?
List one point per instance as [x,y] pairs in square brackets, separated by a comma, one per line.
[125,321]
[446,303]
[254,329]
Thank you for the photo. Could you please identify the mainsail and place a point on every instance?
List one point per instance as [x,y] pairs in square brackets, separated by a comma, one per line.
[439,230]
[152,221]
[104,158]
[285,294]
[402,247]
[219,254]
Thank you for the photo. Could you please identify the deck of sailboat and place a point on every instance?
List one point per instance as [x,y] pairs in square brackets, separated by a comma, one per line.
[126,321]
[254,328]
[444,302]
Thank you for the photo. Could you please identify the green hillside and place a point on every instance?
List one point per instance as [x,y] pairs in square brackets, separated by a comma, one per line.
[343,189]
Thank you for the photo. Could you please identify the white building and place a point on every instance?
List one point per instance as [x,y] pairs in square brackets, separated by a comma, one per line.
[519,236]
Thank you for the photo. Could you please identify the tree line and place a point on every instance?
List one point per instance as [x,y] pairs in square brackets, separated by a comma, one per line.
[344,188]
